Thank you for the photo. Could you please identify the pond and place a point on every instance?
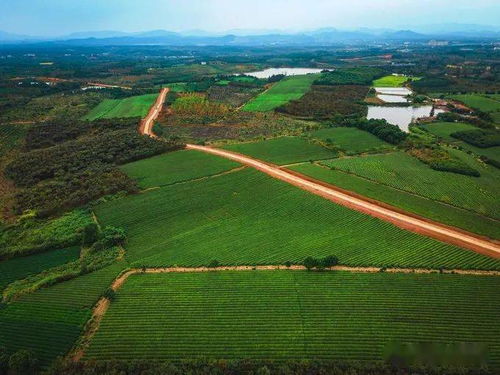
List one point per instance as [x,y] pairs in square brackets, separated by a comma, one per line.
[400,116]
[264,74]
[393,94]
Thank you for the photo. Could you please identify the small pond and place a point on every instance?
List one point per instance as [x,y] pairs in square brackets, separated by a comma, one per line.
[263,74]
[400,116]
[393,94]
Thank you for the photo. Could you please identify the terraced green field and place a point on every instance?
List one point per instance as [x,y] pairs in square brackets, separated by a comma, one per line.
[283,150]
[419,205]
[176,167]
[295,314]
[135,106]
[404,172]
[393,81]
[247,218]
[444,129]
[351,140]
[20,268]
[290,88]
[49,321]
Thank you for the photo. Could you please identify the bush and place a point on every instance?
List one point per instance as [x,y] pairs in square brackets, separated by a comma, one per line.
[109,294]
[4,361]
[480,138]
[214,263]
[320,264]
[90,234]
[23,362]
[380,128]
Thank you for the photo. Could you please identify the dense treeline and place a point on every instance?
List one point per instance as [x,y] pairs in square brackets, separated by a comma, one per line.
[117,147]
[351,76]
[73,173]
[73,190]
[51,133]
[249,367]
[326,101]
[457,117]
[380,128]
[480,138]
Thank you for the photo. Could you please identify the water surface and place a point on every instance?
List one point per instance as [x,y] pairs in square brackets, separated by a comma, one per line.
[286,71]
[400,116]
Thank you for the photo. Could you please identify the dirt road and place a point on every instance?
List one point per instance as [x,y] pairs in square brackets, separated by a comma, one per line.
[380,210]
[146,125]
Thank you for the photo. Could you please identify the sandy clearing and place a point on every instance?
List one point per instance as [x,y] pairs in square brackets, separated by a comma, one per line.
[365,205]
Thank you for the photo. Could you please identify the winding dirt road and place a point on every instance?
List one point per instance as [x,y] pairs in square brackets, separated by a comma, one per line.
[146,125]
[368,206]
[383,211]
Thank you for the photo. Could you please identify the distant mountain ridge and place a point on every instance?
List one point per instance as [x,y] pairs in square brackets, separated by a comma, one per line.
[323,36]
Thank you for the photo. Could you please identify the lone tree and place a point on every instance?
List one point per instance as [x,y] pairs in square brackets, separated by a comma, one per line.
[310,263]
[329,261]
[214,263]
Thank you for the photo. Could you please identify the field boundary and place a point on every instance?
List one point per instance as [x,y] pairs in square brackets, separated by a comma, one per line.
[102,305]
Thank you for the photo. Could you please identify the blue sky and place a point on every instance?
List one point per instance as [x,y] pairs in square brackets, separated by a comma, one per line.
[58,17]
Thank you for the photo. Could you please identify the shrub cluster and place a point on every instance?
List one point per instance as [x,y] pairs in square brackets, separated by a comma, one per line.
[320,264]
[349,76]
[22,362]
[440,160]
[72,157]
[380,128]
[323,102]
[249,367]
[480,138]
[75,172]
[49,134]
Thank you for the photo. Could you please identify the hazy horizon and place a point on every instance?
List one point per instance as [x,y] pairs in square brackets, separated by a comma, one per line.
[50,18]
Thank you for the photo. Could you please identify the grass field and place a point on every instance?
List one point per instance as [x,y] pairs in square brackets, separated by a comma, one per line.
[295,315]
[20,268]
[290,88]
[283,150]
[444,129]
[247,218]
[404,172]
[49,321]
[393,81]
[351,140]
[176,167]
[135,106]
[441,212]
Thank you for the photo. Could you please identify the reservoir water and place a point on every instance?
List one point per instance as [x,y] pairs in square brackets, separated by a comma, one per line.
[400,116]
[263,74]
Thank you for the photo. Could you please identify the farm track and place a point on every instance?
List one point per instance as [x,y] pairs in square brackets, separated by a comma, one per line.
[380,210]
[398,217]
[146,125]
[101,307]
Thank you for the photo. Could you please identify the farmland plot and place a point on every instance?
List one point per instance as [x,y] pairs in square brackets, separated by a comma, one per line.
[401,171]
[176,167]
[282,92]
[295,315]
[249,218]
[283,150]
[419,205]
[135,106]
